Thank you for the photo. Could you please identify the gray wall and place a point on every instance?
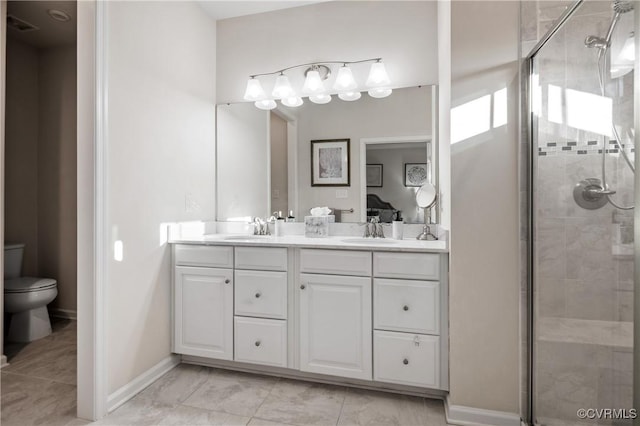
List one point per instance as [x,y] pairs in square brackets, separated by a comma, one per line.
[161,68]
[485,275]
[41,162]
[21,151]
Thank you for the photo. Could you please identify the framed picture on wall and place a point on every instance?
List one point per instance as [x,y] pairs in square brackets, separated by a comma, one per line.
[374,175]
[330,159]
[415,174]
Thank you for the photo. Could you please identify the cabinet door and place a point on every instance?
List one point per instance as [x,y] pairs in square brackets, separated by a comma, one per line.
[335,325]
[204,312]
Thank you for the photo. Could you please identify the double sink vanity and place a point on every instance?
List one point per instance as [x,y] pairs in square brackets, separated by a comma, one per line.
[368,312]
[362,311]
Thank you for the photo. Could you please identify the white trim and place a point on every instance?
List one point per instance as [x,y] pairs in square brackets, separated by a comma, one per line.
[63,313]
[467,416]
[3,62]
[3,361]
[443,138]
[131,389]
[92,220]
[363,162]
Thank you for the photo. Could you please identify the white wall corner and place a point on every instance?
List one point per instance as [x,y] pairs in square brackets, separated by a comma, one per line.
[468,416]
[131,389]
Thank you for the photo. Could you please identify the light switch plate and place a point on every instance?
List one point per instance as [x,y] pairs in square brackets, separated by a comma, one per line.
[342,193]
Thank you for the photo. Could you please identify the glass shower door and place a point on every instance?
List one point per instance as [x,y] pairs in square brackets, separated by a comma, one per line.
[582,228]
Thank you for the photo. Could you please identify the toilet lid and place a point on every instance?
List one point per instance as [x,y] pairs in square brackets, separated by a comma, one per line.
[26,284]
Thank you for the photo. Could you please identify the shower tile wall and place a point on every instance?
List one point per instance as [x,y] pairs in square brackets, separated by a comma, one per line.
[583,259]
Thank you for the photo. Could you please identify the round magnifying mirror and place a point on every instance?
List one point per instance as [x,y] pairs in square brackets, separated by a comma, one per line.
[426,196]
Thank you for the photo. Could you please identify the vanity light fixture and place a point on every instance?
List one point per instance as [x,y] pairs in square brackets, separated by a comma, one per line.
[316,74]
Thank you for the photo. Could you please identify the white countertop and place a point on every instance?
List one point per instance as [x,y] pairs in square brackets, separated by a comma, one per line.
[333,242]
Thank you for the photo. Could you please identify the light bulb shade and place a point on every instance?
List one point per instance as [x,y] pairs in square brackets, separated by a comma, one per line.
[254,91]
[378,75]
[282,88]
[313,83]
[379,92]
[349,96]
[265,104]
[345,81]
[320,98]
[292,101]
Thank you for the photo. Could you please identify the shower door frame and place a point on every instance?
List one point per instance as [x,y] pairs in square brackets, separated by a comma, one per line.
[530,121]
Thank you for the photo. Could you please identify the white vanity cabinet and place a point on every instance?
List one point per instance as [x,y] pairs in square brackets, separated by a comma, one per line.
[335,312]
[260,332]
[370,316]
[203,302]
[407,305]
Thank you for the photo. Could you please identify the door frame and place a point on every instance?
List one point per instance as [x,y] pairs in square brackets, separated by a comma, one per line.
[93,237]
[91,203]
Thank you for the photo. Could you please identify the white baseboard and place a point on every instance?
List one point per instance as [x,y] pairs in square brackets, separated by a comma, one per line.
[3,361]
[63,313]
[468,416]
[131,389]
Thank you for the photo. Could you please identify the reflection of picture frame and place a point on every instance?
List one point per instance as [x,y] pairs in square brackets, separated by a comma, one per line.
[415,174]
[374,175]
[330,161]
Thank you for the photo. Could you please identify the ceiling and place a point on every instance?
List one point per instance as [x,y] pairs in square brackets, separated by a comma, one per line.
[230,9]
[50,32]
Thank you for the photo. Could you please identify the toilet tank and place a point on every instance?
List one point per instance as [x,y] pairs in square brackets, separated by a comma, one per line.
[13,260]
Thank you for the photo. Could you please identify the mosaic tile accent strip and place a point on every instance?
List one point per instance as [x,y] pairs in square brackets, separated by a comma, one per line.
[580,148]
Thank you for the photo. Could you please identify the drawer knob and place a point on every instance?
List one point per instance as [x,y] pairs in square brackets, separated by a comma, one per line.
[257,343]
[405,308]
[302,287]
[405,361]
[258,295]
[227,281]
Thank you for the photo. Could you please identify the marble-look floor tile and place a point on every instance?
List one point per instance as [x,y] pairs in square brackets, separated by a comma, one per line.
[435,412]
[303,403]
[177,385]
[376,408]
[31,401]
[142,411]
[55,362]
[262,422]
[78,422]
[234,393]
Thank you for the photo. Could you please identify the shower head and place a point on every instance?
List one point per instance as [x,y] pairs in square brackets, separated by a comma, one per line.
[623,6]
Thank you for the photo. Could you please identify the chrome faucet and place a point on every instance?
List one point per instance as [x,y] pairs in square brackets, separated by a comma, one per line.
[373,229]
[376,226]
[260,227]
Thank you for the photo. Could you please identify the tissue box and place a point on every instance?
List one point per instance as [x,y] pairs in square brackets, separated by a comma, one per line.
[316,226]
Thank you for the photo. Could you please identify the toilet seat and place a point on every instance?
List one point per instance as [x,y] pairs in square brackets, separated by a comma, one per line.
[28,284]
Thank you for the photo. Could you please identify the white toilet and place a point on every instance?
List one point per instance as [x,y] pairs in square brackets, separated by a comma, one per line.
[26,298]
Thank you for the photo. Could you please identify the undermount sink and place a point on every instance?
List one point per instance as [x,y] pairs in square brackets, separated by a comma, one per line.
[247,238]
[368,241]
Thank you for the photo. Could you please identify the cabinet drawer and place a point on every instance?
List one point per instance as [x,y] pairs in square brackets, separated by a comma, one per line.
[335,262]
[416,266]
[261,258]
[206,256]
[261,341]
[406,305]
[261,294]
[408,359]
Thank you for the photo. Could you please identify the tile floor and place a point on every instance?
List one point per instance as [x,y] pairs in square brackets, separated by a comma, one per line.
[38,388]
